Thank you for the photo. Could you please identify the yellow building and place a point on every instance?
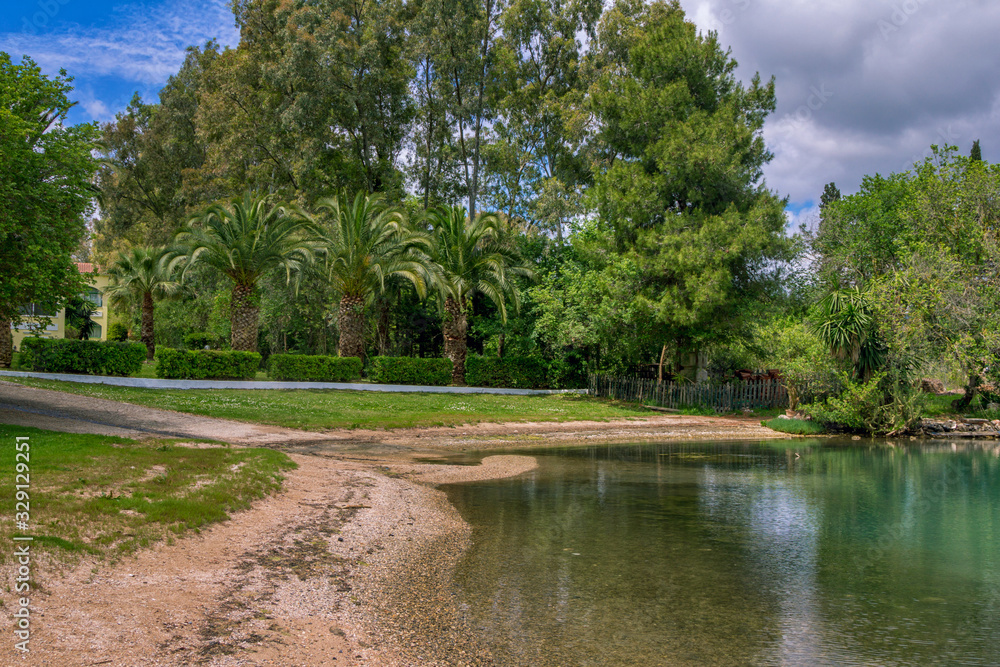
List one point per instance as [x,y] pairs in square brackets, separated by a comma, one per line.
[38,322]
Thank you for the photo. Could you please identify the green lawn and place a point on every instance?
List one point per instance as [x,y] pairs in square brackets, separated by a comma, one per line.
[794,426]
[315,409]
[108,496]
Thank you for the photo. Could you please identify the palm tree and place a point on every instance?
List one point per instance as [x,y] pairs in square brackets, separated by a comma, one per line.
[846,324]
[139,277]
[244,241]
[366,245]
[473,259]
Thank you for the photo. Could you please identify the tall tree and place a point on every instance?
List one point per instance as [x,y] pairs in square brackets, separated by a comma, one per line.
[243,241]
[367,244]
[977,153]
[831,193]
[473,259]
[150,179]
[140,277]
[45,192]
[679,181]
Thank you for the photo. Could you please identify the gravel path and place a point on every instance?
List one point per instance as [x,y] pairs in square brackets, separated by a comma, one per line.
[73,413]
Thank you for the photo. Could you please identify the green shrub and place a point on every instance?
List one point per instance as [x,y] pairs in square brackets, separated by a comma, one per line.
[118,332]
[313,368]
[514,372]
[879,406]
[206,364]
[201,340]
[90,357]
[432,372]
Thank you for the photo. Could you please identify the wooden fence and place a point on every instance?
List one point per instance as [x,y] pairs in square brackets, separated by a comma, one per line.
[721,397]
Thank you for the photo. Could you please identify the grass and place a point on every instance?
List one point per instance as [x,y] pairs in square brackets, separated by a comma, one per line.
[940,406]
[323,409]
[794,426]
[109,496]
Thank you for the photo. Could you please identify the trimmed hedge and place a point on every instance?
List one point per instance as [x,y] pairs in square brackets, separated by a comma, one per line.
[511,372]
[410,370]
[90,357]
[313,368]
[206,364]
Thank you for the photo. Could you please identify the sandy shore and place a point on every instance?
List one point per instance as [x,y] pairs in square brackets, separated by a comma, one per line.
[350,565]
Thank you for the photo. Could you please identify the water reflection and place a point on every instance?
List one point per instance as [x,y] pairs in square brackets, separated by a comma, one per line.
[739,553]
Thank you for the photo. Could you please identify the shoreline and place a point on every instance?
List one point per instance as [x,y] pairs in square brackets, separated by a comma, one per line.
[351,564]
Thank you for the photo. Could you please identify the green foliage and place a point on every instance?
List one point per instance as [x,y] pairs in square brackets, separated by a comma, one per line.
[513,372]
[118,332]
[206,364]
[679,189]
[879,405]
[314,368]
[794,426]
[201,340]
[410,370]
[63,355]
[45,191]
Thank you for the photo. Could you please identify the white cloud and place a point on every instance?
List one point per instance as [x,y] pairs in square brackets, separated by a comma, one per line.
[930,77]
[143,45]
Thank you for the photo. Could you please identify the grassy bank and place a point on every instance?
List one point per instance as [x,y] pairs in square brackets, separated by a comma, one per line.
[108,496]
[794,426]
[315,410]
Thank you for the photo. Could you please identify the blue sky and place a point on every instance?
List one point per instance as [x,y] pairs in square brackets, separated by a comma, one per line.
[112,49]
[863,86]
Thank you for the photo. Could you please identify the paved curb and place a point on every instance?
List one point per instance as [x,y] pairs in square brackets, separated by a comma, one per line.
[151,383]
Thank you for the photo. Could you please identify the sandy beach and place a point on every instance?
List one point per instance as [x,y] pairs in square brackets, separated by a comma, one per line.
[350,565]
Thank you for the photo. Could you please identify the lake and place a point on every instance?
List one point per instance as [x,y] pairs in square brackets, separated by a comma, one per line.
[801,552]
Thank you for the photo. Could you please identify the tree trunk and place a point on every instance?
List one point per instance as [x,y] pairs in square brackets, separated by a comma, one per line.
[663,356]
[351,321]
[147,336]
[454,328]
[243,316]
[971,389]
[384,311]
[6,344]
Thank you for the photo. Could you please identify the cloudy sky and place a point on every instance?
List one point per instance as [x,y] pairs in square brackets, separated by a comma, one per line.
[864,86]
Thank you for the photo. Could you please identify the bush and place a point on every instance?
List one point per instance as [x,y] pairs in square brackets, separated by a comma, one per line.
[513,372]
[201,340]
[206,364]
[432,372]
[90,357]
[313,368]
[118,332]
[879,406]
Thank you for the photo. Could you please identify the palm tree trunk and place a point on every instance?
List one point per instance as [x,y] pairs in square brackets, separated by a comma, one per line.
[454,328]
[351,321]
[147,335]
[243,318]
[6,344]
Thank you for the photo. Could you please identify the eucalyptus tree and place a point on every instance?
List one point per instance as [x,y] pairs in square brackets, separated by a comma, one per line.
[140,277]
[244,241]
[473,258]
[366,244]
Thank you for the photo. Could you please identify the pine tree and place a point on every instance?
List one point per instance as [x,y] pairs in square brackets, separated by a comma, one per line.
[977,153]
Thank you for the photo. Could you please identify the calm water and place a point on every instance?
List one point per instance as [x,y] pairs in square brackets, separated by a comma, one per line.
[739,554]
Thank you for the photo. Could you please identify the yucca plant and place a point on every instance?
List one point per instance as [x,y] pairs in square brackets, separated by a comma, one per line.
[365,245]
[140,277]
[473,259]
[244,241]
